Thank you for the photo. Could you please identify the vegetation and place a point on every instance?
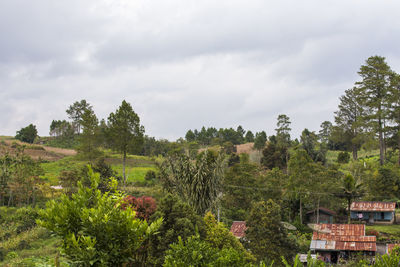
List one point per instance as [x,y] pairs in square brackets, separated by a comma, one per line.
[178,198]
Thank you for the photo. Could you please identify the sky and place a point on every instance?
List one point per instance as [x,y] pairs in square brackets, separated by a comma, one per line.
[184,64]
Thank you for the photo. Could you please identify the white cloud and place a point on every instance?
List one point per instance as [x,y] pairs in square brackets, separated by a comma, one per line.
[185,64]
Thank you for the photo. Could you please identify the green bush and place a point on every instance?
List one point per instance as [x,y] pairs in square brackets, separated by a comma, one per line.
[343,157]
[95,229]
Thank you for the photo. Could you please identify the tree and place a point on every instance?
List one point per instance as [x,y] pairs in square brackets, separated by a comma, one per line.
[198,183]
[265,235]
[76,111]
[90,138]
[27,134]
[349,189]
[190,137]
[241,133]
[325,133]
[124,132]
[249,137]
[259,140]
[373,91]
[393,106]
[309,142]
[236,200]
[94,228]
[274,156]
[349,121]
[283,130]
[179,220]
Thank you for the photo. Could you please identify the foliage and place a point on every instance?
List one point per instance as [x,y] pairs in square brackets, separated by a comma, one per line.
[349,121]
[218,236]
[76,112]
[143,206]
[94,228]
[349,189]
[283,130]
[266,237]
[179,220]
[124,132]
[195,252]
[238,184]
[274,156]
[343,157]
[27,134]
[259,140]
[373,94]
[90,139]
[198,183]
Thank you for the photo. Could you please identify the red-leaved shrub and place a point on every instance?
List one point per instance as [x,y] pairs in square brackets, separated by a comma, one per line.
[144,206]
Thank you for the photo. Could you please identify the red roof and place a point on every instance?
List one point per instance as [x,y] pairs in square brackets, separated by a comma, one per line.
[373,206]
[238,228]
[342,237]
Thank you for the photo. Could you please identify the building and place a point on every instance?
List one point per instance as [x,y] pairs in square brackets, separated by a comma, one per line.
[334,241]
[238,228]
[373,212]
[324,216]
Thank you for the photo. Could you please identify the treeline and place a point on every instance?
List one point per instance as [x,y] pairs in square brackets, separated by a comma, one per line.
[212,136]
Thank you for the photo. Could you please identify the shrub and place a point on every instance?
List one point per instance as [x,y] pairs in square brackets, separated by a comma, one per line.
[343,157]
[144,206]
[94,228]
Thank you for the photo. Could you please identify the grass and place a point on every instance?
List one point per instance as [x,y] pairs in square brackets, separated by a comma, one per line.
[393,229]
[53,169]
[134,174]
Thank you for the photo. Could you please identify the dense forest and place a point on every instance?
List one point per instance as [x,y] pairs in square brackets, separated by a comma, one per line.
[100,192]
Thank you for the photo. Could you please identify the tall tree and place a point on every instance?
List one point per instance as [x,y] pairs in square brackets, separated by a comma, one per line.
[75,112]
[249,137]
[90,138]
[267,238]
[27,134]
[373,91]
[325,132]
[349,121]
[393,106]
[283,129]
[259,140]
[124,132]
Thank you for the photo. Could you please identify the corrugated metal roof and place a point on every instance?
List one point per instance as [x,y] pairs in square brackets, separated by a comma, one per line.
[342,237]
[238,228]
[356,246]
[373,206]
[340,229]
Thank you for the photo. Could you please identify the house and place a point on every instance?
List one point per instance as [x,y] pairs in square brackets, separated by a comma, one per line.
[334,241]
[238,228]
[324,216]
[373,212]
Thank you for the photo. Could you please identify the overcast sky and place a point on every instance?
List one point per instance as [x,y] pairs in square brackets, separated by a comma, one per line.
[185,64]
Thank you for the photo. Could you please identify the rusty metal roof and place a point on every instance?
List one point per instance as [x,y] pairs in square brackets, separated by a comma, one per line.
[373,206]
[340,229]
[342,237]
[238,228]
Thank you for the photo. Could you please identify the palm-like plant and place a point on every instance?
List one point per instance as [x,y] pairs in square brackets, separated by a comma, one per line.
[198,183]
[350,189]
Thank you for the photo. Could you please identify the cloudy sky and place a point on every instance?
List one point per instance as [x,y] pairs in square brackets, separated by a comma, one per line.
[188,63]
